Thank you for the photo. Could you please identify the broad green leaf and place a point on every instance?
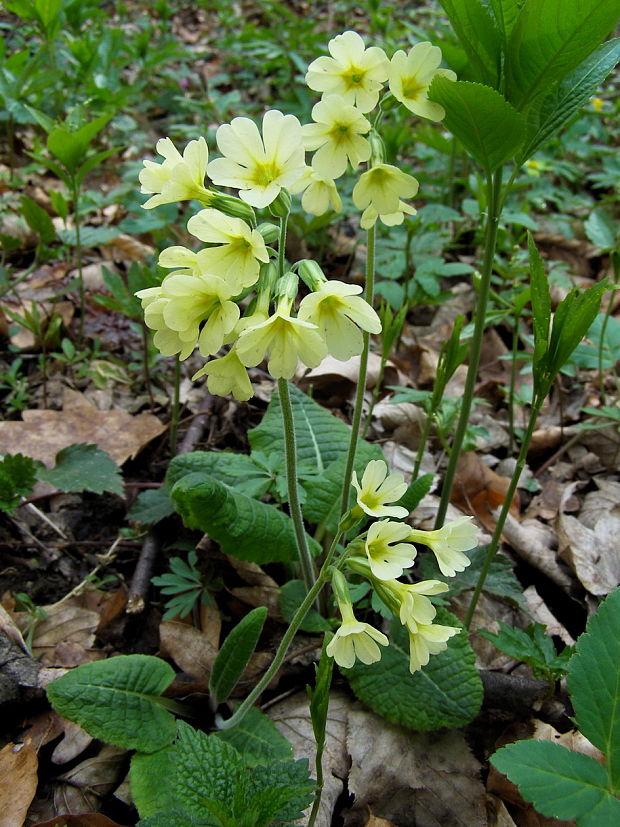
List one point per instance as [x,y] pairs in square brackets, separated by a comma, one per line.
[506,13]
[244,527]
[551,38]
[280,791]
[89,236]
[150,777]
[532,646]
[541,306]
[235,653]
[321,437]
[257,739]
[37,219]
[151,506]
[601,229]
[487,125]
[501,580]
[479,36]
[93,161]
[568,96]
[221,465]
[292,595]
[118,701]
[70,147]
[559,782]
[415,493]
[84,467]
[18,475]
[594,683]
[445,693]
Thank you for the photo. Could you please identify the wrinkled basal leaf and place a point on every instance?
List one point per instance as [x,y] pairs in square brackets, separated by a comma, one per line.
[256,738]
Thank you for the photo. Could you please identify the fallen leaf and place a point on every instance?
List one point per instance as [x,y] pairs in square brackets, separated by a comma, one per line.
[541,614]
[82,820]
[497,813]
[43,432]
[19,764]
[402,422]
[64,623]
[262,589]
[480,490]
[533,541]
[374,821]
[573,740]
[81,788]
[73,744]
[189,648]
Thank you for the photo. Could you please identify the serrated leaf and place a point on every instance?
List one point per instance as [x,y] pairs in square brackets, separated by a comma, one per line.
[560,783]
[257,739]
[282,791]
[151,506]
[84,467]
[532,646]
[549,40]
[150,777]
[235,653]
[487,125]
[292,595]
[18,475]
[594,682]
[445,693]
[567,97]
[118,701]
[175,818]
[479,36]
[600,226]
[244,527]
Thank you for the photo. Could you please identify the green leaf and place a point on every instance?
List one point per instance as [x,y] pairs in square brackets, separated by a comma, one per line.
[70,147]
[478,33]
[282,791]
[84,467]
[292,595]
[445,693]
[37,219]
[118,701]
[243,527]
[150,775]
[231,469]
[549,39]
[89,236]
[235,653]
[532,646]
[506,13]
[601,229]
[594,683]
[487,125]
[318,695]
[93,161]
[541,307]
[151,506]
[566,99]
[415,493]
[560,783]
[18,475]
[257,739]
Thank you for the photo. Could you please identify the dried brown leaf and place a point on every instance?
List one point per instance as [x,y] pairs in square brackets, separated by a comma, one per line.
[18,764]
[189,648]
[81,789]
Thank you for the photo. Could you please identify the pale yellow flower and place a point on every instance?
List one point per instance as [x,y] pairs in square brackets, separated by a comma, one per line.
[388,557]
[355,640]
[597,104]
[353,72]
[370,215]
[448,544]
[240,249]
[337,135]
[382,187]
[178,308]
[227,375]
[428,639]
[339,313]
[285,340]
[378,488]
[410,76]
[179,177]
[415,608]
[259,166]
[319,193]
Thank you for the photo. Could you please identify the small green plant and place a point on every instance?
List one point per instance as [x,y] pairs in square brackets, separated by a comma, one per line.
[15,386]
[24,603]
[184,583]
[566,784]
[534,647]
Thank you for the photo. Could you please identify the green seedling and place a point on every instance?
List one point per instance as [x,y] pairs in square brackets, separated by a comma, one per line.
[534,647]
[185,585]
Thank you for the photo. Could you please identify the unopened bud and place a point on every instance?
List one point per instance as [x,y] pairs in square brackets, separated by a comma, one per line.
[377,149]
[281,207]
[269,232]
[230,205]
[310,273]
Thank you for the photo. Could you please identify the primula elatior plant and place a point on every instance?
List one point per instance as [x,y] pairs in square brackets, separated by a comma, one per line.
[240,303]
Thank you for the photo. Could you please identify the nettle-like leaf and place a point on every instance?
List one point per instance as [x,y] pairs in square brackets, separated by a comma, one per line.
[84,467]
[118,700]
[151,506]
[445,693]
[550,38]
[257,739]
[223,466]
[149,776]
[244,527]
[566,784]
[18,475]
[235,653]
[487,125]
[532,646]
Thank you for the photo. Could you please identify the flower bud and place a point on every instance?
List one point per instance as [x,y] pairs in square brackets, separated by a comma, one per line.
[269,232]
[311,273]
[377,148]
[230,205]
[281,206]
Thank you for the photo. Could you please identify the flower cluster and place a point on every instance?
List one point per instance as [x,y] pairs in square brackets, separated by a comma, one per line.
[389,550]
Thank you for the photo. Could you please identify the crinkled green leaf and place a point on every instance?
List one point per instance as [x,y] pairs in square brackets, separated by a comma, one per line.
[176,818]
[257,739]
[594,683]
[559,782]
[235,653]
[487,125]
[150,777]
[280,791]
[244,527]
[151,506]
[18,474]
[445,693]
[118,701]
[292,595]
[84,467]
[222,465]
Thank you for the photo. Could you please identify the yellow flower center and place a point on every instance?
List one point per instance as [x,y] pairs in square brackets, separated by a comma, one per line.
[353,77]
[265,174]
[340,132]
[412,87]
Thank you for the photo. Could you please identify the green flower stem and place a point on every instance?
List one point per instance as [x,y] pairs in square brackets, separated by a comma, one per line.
[494,186]
[495,539]
[423,440]
[282,245]
[290,456]
[361,381]
[78,250]
[322,579]
[615,259]
[174,415]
